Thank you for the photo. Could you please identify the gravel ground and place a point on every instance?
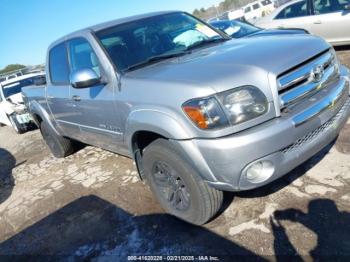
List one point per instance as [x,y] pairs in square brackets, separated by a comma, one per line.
[92,205]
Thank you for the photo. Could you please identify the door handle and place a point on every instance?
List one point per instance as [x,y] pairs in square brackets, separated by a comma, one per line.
[318,22]
[76,98]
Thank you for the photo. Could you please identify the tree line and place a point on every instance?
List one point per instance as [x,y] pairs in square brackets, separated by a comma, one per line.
[11,67]
[224,6]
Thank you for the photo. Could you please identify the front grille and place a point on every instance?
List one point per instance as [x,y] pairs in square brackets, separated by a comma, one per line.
[312,135]
[307,79]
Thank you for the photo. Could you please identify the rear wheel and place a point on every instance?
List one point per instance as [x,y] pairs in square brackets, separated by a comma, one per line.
[59,145]
[177,186]
[16,125]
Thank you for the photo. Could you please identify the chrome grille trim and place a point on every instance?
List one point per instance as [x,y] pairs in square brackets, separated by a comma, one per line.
[313,134]
[300,83]
[305,89]
[331,101]
[303,72]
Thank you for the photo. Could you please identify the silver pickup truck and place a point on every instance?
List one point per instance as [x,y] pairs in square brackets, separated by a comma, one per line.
[199,113]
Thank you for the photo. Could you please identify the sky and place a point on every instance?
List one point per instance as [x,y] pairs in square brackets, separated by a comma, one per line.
[29,26]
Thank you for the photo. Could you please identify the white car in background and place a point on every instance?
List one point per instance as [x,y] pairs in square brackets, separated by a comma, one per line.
[236,14]
[329,19]
[258,9]
[12,109]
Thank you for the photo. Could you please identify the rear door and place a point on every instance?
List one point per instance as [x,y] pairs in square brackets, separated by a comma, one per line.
[95,107]
[57,91]
[331,20]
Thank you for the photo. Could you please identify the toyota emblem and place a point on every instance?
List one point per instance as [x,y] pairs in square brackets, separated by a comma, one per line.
[317,73]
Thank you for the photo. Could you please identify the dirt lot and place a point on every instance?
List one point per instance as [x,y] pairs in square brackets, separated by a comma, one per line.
[92,205]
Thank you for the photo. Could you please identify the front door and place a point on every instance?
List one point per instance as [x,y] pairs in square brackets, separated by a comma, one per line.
[57,92]
[95,106]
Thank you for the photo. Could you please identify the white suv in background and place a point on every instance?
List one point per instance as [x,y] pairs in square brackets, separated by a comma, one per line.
[258,9]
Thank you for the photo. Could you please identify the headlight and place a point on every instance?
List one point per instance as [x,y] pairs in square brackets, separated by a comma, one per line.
[205,113]
[243,104]
[237,105]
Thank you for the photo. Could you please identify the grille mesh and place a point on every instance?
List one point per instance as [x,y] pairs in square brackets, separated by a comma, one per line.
[312,135]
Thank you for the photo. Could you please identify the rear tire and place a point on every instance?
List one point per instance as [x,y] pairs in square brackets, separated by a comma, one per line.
[16,126]
[177,186]
[59,146]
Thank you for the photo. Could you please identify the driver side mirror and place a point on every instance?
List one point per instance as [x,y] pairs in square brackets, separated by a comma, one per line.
[84,78]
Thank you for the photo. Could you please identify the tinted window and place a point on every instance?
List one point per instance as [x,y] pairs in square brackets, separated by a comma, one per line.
[329,6]
[59,72]
[16,87]
[136,42]
[256,6]
[235,29]
[82,56]
[294,10]
[247,9]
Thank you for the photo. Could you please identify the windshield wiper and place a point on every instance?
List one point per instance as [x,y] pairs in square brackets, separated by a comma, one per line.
[205,42]
[154,59]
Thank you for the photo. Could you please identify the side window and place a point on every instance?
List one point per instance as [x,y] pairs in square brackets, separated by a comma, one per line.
[256,6]
[295,10]
[58,64]
[328,6]
[247,9]
[82,56]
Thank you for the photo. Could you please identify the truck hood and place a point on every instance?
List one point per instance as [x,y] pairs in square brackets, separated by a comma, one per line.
[235,62]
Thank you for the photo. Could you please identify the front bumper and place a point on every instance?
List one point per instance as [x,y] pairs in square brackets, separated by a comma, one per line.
[223,162]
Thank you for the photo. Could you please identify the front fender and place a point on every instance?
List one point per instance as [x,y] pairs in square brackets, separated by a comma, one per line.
[37,109]
[172,128]
[156,121]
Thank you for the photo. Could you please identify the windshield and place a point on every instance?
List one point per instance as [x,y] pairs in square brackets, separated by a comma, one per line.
[235,29]
[133,43]
[16,87]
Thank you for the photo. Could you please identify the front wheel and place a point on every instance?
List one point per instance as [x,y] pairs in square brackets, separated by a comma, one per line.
[59,146]
[177,186]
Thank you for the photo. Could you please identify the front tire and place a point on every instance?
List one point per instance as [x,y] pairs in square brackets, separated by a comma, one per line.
[177,186]
[59,146]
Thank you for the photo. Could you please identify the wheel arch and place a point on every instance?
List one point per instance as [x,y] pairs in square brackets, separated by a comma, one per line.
[39,114]
[145,126]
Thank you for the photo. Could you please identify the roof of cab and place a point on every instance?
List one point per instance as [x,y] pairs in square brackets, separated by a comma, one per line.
[113,23]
